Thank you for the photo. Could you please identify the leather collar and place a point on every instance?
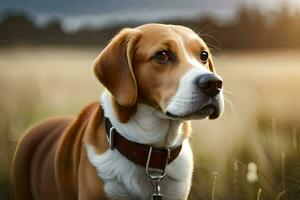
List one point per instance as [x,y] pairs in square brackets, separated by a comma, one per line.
[141,154]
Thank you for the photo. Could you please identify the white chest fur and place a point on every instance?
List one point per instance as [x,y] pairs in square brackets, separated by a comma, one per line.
[125,180]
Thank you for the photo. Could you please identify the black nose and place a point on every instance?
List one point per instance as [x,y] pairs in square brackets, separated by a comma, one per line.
[210,84]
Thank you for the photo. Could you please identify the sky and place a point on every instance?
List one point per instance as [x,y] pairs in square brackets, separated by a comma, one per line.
[98,13]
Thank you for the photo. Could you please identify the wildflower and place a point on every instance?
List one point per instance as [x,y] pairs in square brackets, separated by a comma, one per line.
[252,172]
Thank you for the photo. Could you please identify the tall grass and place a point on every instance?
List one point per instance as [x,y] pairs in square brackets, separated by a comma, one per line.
[261,127]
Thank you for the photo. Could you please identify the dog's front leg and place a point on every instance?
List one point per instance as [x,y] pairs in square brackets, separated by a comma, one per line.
[90,187]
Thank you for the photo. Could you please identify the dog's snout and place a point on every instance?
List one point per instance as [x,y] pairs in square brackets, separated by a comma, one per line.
[210,84]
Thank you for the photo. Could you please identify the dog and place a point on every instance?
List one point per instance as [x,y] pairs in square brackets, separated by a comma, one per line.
[133,144]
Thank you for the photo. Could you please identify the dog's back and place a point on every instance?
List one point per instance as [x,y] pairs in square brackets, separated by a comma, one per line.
[32,171]
[50,161]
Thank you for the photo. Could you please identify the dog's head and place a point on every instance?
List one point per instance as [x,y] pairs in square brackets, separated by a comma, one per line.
[168,67]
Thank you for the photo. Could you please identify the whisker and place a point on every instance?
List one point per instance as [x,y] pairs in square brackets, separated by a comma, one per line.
[229,102]
[210,36]
[230,93]
[202,30]
[214,47]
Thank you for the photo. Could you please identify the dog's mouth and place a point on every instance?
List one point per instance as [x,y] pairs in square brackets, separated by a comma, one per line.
[212,111]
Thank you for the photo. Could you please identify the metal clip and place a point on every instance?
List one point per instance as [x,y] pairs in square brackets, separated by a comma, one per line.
[156,174]
[156,194]
[111,138]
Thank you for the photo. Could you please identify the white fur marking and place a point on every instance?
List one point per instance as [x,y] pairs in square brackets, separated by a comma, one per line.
[126,180]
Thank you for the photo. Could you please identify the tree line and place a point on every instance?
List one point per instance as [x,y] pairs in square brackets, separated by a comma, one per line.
[249,29]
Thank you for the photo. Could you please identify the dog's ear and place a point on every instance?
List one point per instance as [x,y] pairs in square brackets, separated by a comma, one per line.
[113,68]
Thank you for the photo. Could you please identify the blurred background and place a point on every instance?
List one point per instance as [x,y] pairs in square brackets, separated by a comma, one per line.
[251,152]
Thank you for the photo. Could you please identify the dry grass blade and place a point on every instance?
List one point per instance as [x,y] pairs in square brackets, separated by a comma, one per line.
[214,185]
[259,194]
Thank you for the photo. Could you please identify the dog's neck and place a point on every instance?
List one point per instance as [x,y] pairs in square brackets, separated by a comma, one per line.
[147,126]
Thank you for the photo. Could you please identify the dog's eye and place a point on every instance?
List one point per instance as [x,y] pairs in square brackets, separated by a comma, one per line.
[204,56]
[163,57]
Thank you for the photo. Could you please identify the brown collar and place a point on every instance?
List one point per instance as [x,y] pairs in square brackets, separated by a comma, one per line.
[141,154]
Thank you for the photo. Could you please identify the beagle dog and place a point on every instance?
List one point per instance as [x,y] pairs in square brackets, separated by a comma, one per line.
[133,144]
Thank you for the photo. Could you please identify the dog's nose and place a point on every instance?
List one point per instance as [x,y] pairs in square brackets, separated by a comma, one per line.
[210,84]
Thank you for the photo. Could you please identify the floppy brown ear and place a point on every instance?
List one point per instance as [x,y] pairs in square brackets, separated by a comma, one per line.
[113,68]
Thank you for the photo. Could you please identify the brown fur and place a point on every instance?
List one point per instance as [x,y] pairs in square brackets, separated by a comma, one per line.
[50,160]
[186,129]
[137,77]
[113,67]
[51,163]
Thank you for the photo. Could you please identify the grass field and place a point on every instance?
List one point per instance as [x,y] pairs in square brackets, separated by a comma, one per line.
[260,123]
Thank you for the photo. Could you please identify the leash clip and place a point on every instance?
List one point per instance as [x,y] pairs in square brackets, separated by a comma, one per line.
[156,194]
[156,174]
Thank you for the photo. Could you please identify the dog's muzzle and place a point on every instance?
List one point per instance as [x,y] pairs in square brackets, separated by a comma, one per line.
[201,97]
